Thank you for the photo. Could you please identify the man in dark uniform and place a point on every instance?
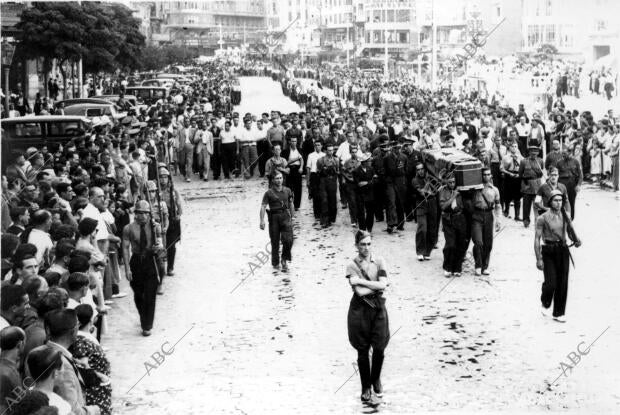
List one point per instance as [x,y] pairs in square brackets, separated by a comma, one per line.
[426,213]
[571,176]
[486,204]
[280,202]
[170,196]
[412,161]
[553,257]
[367,319]
[395,166]
[363,178]
[379,184]
[327,167]
[454,228]
[349,184]
[142,238]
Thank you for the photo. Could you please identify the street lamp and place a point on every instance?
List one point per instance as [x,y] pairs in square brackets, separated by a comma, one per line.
[8,49]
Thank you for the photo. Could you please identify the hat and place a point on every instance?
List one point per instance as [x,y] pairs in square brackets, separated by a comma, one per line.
[143,206]
[554,194]
[105,120]
[87,226]
[151,185]
[364,157]
[409,140]
[163,171]
[127,120]
[533,148]
[96,121]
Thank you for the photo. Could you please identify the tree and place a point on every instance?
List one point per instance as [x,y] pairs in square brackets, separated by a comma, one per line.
[105,36]
[53,31]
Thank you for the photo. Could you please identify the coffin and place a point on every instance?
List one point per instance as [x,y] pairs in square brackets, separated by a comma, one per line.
[449,161]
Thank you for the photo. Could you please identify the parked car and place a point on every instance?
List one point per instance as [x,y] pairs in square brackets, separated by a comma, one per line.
[165,82]
[148,94]
[91,110]
[19,133]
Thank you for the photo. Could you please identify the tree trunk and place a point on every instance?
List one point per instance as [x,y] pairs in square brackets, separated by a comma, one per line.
[64,78]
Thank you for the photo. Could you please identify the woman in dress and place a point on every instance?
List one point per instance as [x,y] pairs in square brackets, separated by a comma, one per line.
[87,346]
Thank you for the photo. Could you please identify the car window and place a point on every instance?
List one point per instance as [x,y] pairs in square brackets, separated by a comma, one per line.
[64,128]
[94,112]
[30,129]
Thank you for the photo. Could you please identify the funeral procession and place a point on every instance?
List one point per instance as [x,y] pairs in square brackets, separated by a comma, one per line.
[310,207]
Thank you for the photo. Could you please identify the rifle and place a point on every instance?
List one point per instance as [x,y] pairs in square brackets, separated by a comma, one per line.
[153,231]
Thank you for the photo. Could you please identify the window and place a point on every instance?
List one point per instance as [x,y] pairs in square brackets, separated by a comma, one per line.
[28,129]
[60,129]
[403,36]
[550,34]
[548,7]
[601,25]
[390,16]
[533,35]
[402,16]
[376,16]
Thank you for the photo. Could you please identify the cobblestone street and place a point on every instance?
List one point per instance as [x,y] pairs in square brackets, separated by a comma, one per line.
[261,341]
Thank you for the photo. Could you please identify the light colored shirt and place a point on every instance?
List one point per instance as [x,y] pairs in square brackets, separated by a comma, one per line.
[227,137]
[44,245]
[312,159]
[90,211]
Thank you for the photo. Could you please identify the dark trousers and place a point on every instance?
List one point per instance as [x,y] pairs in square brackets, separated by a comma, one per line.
[144,285]
[329,199]
[555,288]
[342,191]
[528,201]
[365,213]
[349,188]
[395,191]
[522,143]
[173,236]
[294,182]
[264,153]
[216,159]
[454,230]
[425,235]
[571,193]
[379,197]
[512,193]
[315,193]
[229,156]
[410,202]
[498,182]
[280,229]
[368,327]
[482,235]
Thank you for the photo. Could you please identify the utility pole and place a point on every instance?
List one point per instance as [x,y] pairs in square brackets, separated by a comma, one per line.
[79,70]
[347,46]
[386,71]
[434,47]
[221,42]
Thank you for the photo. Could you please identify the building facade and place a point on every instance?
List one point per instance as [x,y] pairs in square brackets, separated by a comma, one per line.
[207,24]
[590,33]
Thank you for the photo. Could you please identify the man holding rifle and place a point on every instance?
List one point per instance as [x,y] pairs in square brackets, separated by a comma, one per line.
[552,257]
[142,243]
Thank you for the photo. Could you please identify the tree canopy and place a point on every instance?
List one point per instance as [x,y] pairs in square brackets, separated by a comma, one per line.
[106,36]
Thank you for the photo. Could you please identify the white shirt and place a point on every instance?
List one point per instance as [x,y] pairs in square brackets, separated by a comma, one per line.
[64,408]
[90,211]
[523,130]
[294,155]
[43,242]
[227,137]
[246,136]
[459,138]
[312,159]
[344,152]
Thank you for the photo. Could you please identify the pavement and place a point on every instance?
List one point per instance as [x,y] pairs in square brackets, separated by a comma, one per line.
[233,335]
